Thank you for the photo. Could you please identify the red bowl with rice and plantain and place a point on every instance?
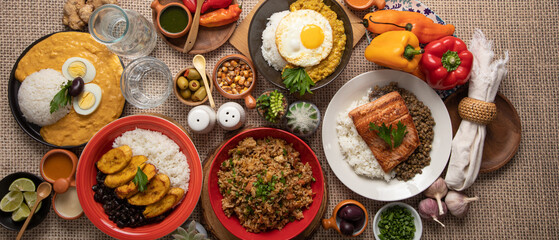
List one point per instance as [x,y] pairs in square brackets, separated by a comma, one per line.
[291,229]
[102,142]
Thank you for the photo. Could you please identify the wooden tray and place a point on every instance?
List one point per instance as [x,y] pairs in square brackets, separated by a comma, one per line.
[213,225]
[239,40]
[503,134]
[208,39]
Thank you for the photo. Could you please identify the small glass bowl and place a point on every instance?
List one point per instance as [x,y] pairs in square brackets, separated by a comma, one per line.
[146,82]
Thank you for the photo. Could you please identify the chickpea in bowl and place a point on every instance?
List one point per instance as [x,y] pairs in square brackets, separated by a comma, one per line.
[235,77]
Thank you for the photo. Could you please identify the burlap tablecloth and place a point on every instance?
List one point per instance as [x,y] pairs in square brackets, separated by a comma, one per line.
[519,201]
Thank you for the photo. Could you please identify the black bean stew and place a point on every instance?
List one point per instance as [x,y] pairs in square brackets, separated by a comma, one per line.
[424,124]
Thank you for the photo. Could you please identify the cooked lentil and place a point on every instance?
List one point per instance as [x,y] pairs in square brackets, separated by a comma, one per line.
[235,76]
[424,124]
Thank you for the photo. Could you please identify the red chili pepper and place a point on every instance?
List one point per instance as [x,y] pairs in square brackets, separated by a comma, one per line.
[208,4]
[446,63]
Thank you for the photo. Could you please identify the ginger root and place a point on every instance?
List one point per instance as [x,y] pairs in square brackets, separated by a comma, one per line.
[76,13]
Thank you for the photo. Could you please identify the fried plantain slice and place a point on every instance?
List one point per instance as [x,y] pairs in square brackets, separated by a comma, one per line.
[127,150]
[113,161]
[155,191]
[127,174]
[173,197]
[127,190]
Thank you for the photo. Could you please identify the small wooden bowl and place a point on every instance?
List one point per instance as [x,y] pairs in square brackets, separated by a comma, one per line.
[177,91]
[160,8]
[250,101]
[333,223]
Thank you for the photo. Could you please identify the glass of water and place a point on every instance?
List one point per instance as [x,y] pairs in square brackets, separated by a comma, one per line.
[125,32]
[146,82]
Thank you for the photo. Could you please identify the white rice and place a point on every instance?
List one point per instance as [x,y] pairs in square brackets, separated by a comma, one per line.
[36,92]
[161,151]
[269,48]
[355,150]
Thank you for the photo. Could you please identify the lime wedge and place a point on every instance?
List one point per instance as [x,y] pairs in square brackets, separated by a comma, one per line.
[11,201]
[21,214]
[30,198]
[22,185]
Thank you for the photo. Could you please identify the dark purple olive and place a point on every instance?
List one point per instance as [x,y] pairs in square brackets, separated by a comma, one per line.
[359,224]
[351,212]
[77,87]
[346,228]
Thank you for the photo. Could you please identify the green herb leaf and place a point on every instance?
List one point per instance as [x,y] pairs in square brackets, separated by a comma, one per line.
[389,135]
[297,80]
[62,98]
[141,180]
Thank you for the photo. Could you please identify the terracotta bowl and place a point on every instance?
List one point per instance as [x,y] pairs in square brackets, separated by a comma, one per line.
[178,94]
[334,220]
[159,8]
[250,101]
[60,185]
[360,6]
[59,213]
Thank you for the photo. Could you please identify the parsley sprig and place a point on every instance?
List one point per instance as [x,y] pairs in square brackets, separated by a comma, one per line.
[62,98]
[297,80]
[392,136]
[141,180]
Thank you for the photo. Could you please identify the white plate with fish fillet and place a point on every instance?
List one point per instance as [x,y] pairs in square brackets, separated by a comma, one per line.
[378,188]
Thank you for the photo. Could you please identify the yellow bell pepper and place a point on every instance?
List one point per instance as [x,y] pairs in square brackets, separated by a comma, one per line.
[395,49]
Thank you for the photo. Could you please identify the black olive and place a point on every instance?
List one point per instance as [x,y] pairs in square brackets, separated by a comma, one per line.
[351,212]
[359,224]
[77,87]
[346,228]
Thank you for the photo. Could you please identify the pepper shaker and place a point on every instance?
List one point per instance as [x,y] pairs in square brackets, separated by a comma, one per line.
[201,119]
[231,116]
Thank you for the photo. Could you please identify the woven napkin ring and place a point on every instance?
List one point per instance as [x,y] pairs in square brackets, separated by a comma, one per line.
[477,111]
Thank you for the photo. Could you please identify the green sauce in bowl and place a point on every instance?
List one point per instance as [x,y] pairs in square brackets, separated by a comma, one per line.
[173,19]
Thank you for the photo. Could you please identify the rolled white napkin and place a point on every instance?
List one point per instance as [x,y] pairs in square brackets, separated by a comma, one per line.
[467,145]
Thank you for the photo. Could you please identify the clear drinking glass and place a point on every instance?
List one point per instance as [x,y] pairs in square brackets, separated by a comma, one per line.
[125,32]
[146,82]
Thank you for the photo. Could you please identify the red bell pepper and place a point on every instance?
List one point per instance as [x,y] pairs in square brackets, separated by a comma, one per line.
[446,63]
[208,4]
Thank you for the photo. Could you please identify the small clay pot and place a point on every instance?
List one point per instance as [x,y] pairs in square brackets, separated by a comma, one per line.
[177,91]
[159,8]
[60,185]
[332,223]
[250,101]
[361,7]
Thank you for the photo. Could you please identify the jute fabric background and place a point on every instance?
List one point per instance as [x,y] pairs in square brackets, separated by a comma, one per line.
[519,201]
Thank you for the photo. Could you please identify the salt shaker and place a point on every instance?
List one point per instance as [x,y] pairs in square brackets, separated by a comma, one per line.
[231,116]
[201,119]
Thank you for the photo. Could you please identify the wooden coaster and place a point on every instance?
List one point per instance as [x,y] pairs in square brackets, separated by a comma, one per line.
[239,40]
[212,224]
[503,133]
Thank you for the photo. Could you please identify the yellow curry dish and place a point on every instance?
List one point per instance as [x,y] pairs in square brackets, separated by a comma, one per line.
[76,55]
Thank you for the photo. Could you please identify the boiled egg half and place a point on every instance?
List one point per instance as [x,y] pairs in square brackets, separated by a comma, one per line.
[304,38]
[78,67]
[88,101]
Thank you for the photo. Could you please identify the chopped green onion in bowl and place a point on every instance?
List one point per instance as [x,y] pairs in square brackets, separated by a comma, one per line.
[397,221]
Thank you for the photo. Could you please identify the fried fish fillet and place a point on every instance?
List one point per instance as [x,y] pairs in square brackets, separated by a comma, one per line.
[156,189]
[127,190]
[127,174]
[115,160]
[388,109]
[173,197]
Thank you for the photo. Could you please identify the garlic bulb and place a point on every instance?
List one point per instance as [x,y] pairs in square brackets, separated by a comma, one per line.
[428,209]
[458,203]
[437,190]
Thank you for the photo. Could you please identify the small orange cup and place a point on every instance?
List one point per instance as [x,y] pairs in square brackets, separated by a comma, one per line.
[160,8]
[333,223]
[60,185]
[250,101]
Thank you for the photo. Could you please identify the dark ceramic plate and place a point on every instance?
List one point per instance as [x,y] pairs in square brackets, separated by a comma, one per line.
[31,129]
[6,218]
[258,24]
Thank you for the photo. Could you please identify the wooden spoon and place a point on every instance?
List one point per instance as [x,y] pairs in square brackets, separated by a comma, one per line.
[43,191]
[199,63]
[193,34]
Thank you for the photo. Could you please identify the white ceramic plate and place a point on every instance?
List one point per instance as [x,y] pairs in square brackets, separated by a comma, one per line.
[378,189]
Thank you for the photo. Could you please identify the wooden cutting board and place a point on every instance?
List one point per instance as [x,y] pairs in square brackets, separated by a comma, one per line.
[212,223]
[239,40]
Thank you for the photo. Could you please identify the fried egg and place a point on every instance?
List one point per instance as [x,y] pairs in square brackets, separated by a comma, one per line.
[304,38]
[78,67]
[88,101]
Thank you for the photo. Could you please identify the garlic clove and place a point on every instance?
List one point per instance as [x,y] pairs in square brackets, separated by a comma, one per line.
[458,203]
[437,190]
[428,209]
